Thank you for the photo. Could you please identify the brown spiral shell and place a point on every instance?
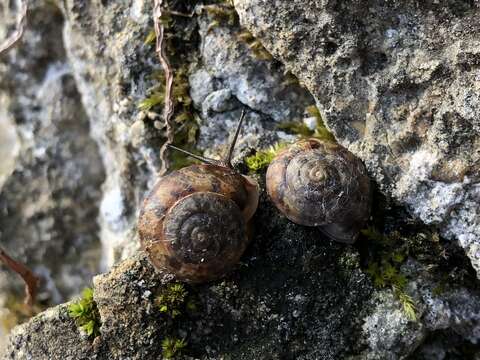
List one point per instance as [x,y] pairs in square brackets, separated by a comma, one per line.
[318,183]
[194,221]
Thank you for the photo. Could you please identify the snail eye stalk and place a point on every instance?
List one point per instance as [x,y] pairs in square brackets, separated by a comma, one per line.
[227,160]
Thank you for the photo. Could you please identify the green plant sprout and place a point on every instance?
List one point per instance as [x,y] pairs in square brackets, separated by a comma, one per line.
[85,313]
[174,299]
[172,347]
[385,272]
[301,129]
[262,158]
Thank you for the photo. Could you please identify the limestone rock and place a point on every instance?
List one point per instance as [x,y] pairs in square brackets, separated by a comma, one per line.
[296,294]
[397,82]
[380,73]
[51,170]
[230,76]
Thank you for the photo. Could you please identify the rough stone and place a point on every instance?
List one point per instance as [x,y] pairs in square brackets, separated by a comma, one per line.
[390,334]
[228,77]
[295,295]
[397,82]
[51,170]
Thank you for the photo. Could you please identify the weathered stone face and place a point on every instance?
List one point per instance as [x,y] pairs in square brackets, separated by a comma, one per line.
[229,76]
[398,83]
[51,171]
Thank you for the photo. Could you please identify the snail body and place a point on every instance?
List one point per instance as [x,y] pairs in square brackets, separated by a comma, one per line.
[195,221]
[320,183]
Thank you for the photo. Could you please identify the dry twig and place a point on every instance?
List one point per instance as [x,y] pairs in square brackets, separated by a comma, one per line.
[30,279]
[17,34]
[168,108]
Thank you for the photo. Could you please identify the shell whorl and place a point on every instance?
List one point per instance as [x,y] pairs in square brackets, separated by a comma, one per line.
[316,183]
[204,227]
[194,222]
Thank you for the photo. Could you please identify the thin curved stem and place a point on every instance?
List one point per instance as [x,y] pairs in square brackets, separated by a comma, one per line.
[168,108]
[30,279]
[18,33]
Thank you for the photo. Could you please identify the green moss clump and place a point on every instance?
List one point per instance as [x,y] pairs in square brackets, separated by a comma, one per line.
[385,270]
[262,158]
[302,130]
[174,300]
[156,98]
[321,132]
[221,13]
[172,347]
[85,313]
[254,45]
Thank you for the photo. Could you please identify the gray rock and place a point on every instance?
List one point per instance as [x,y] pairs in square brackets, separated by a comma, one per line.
[64,341]
[390,334]
[397,83]
[51,170]
[230,75]
[295,295]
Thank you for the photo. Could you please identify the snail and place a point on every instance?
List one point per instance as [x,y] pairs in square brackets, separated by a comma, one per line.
[320,183]
[195,221]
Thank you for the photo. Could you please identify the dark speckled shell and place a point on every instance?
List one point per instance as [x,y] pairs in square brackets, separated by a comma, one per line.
[185,206]
[317,183]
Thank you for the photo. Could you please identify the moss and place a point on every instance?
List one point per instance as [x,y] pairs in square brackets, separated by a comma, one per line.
[254,45]
[223,13]
[302,130]
[156,98]
[150,38]
[321,132]
[15,312]
[172,347]
[385,268]
[290,80]
[85,313]
[262,158]
[174,300]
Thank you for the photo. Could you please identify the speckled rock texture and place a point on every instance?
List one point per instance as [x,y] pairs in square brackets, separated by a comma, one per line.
[398,84]
[51,170]
[295,295]
[78,157]
[229,76]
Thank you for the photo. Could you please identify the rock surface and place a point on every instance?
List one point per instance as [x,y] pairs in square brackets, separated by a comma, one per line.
[230,76]
[76,171]
[295,295]
[51,170]
[398,84]
[305,303]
